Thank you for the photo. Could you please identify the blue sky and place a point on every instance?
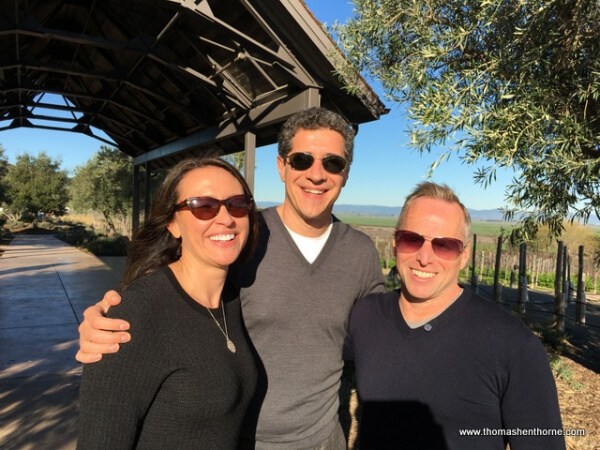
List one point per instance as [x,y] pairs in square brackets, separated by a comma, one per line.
[384,170]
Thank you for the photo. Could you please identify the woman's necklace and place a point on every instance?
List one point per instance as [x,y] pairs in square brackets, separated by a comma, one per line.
[230,344]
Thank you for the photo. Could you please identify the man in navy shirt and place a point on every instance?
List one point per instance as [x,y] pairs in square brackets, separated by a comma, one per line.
[438,367]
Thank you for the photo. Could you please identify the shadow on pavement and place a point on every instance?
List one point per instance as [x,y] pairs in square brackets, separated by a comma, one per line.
[583,340]
[45,285]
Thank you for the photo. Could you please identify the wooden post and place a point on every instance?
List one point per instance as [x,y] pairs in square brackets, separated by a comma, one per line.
[570,291]
[559,304]
[249,158]
[513,276]
[519,271]
[581,297]
[482,264]
[135,213]
[147,190]
[497,285]
[474,250]
[523,293]
[565,281]
[475,284]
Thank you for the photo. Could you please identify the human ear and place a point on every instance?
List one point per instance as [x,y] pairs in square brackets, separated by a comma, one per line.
[346,173]
[465,255]
[281,168]
[174,229]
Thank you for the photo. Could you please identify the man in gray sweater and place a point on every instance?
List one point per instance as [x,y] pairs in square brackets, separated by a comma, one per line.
[296,292]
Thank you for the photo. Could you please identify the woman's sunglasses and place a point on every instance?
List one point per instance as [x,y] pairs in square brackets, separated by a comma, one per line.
[206,208]
[444,247]
[302,161]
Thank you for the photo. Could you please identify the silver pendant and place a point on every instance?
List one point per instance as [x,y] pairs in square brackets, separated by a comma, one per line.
[231,346]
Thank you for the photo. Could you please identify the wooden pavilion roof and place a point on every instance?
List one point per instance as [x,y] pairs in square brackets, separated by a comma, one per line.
[163,79]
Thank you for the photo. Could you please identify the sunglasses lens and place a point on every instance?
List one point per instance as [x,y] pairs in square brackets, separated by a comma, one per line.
[444,248]
[301,161]
[334,164]
[408,242]
[447,248]
[204,208]
[239,206]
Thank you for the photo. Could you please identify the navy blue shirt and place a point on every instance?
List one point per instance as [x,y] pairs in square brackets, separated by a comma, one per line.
[475,366]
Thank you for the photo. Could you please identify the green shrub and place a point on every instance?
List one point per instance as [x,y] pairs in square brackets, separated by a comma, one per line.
[564,372]
[98,244]
[391,262]
[46,225]
[28,217]
[546,280]
[76,235]
[392,280]
[108,246]
[15,223]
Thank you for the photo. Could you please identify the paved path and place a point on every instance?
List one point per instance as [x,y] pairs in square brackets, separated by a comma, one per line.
[45,284]
[584,340]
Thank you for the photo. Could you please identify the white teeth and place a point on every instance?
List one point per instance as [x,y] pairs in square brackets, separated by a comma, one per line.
[313,191]
[222,237]
[420,274]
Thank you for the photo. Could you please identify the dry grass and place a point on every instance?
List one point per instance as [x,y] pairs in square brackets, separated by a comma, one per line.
[84,219]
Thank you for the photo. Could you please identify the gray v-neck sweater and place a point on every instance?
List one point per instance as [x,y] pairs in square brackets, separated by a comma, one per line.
[296,314]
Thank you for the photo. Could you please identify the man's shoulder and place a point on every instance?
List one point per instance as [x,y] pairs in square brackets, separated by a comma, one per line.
[377,301]
[374,312]
[348,232]
[267,221]
[267,213]
[490,313]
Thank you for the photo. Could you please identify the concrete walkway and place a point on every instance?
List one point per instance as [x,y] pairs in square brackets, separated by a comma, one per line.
[45,285]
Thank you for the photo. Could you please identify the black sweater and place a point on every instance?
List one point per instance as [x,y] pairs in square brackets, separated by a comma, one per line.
[473,367]
[175,385]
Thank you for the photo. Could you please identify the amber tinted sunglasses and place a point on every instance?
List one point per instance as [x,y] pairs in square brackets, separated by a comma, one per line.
[444,247]
[206,208]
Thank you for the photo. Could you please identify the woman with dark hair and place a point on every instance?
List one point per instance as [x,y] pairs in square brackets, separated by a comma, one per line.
[187,377]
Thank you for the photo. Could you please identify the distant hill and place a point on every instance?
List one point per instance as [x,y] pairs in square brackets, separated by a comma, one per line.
[477,215]
[486,215]
[367,210]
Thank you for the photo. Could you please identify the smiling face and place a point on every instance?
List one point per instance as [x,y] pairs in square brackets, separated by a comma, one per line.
[311,193]
[425,276]
[216,242]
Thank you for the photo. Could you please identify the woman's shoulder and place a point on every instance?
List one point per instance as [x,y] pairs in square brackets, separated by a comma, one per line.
[158,280]
[144,294]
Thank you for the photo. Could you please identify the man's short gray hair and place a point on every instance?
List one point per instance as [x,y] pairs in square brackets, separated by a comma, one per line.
[437,191]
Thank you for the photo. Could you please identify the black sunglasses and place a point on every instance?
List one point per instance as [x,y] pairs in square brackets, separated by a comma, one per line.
[302,161]
[444,247]
[206,208]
